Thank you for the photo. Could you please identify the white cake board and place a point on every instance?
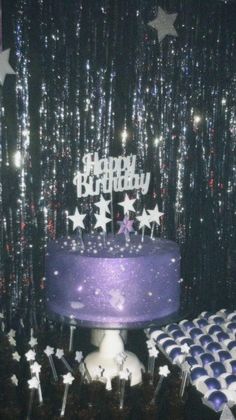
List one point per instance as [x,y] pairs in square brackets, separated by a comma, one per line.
[111,345]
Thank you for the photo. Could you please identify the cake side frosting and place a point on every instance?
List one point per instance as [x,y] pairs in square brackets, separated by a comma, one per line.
[116,285]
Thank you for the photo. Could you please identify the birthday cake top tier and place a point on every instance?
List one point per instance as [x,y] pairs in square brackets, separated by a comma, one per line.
[115,246]
[116,285]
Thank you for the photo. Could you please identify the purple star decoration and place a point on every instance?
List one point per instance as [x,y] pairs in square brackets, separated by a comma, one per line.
[126,226]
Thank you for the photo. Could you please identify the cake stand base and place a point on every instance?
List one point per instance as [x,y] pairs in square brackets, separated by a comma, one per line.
[111,345]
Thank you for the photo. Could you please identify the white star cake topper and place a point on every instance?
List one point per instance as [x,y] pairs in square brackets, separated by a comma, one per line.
[154,215]
[5,67]
[127,204]
[103,205]
[144,220]
[77,219]
[164,24]
[102,220]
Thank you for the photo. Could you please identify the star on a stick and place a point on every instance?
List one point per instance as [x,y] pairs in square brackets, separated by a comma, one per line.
[33,383]
[59,353]
[33,342]
[16,356]
[164,371]
[127,204]
[126,226]
[14,380]
[5,67]
[153,352]
[68,379]
[144,220]
[103,205]
[102,220]
[154,215]
[77,219]
[164,24]
[78,356]
[30,355]
[49,351]
[35,368]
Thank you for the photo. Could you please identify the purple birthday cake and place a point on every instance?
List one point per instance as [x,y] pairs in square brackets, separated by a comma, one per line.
[113,285]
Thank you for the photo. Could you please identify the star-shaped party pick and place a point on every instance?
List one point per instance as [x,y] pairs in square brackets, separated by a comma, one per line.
[102,220]
[127,204]
[33,342]
[5,67]
[35,368]
[126,225]
[59,353]
[164,24]
[153,352]
[144,220]
[30,355]
[11,333]
[49,351]
[12,341]
[164,371]
[16,356]
[77,219]
[78,356]
[154,215]
[33,383]
[14,380]
[68,379]
[103,205]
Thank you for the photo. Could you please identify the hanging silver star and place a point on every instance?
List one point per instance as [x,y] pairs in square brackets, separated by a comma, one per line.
[164,24]
[103,205]
[5,67]
[102,220]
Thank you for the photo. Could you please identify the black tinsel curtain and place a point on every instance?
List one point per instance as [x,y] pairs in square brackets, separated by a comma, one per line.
[92,76]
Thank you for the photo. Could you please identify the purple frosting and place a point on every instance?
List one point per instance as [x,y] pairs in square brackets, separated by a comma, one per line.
[116,285]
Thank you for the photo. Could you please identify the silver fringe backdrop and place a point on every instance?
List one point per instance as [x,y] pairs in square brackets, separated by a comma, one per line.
[92,76]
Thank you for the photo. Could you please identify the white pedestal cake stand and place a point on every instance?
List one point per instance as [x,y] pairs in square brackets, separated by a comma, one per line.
[111,345]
